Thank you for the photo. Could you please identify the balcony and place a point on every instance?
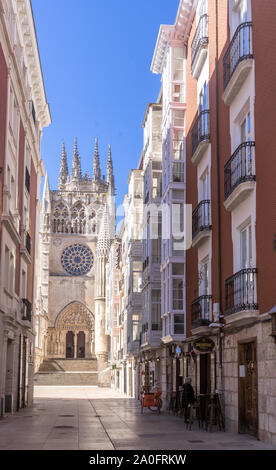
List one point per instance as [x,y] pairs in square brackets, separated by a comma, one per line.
[201,223]
[201,314]
[239,175]
[237,62]
[200,136]
[199,46]
[241,298]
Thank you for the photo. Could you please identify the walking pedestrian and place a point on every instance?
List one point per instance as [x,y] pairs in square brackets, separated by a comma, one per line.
[188,396]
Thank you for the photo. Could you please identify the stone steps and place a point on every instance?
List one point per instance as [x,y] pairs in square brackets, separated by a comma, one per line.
[67,372]
[66,378]
[80,365]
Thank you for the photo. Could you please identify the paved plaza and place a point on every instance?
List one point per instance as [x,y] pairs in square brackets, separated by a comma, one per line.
[91,418]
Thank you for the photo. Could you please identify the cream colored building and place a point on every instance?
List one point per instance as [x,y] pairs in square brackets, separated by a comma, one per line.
[77,226]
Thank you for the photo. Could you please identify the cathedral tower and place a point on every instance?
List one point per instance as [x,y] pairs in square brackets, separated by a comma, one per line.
[77,226]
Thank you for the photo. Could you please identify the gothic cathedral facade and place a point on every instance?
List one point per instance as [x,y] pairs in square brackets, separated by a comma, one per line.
[76,229]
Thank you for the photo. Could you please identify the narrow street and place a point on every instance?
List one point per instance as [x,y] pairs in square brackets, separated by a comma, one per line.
[91,418]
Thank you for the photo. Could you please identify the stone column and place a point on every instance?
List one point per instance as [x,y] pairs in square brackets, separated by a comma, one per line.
[163,375]
[87,349]
[101,339]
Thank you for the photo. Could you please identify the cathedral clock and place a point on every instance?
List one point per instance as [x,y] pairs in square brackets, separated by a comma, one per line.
[77,259]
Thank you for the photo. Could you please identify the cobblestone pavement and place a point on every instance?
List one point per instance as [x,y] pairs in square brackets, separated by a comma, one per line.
[90,418]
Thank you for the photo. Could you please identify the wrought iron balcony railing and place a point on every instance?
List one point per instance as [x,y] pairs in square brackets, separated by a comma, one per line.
[200,38]
[240,48]
[201,219]
[201,130]
[201,311]
[241,291]
[240,168]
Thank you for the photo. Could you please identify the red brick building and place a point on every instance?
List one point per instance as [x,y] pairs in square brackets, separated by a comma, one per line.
[228,105]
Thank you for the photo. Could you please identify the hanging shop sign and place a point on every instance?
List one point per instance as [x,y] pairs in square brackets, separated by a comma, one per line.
[204,345]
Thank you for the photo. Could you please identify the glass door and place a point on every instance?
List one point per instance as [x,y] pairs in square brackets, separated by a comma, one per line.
[246,166]
[244,39]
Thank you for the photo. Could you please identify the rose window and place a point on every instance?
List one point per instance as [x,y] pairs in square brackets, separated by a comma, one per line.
[77,259]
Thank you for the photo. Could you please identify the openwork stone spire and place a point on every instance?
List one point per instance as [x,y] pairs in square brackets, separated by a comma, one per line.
[76,167]
[96,164]
[63,172]
[105,233]
[110,176]
[46,199]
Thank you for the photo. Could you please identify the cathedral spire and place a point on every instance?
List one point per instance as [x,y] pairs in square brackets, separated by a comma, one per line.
[96,164]
[63,172]
[46,200]
[76,167]
[105,233]
[110,176]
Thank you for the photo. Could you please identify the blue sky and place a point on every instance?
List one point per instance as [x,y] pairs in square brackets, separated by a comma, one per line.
[96,57]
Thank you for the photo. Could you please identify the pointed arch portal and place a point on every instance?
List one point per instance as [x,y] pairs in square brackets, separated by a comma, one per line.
[73,335]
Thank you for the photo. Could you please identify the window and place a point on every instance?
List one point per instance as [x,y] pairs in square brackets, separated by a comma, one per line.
[178,118]
[203,107]
[178,229]
[23,285]
[246,129]
[135,327]
[205,187]
[156,227]
[178,294]
[178,63]
[247,150]
[6,269]
[11,273]
[178,269]
[137,276]
[27,179]
[156,309]
[156,184]
[246,247]
[243,11]
[179,324]
[202,9]
[178,93]
[204,278]
[203,98]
